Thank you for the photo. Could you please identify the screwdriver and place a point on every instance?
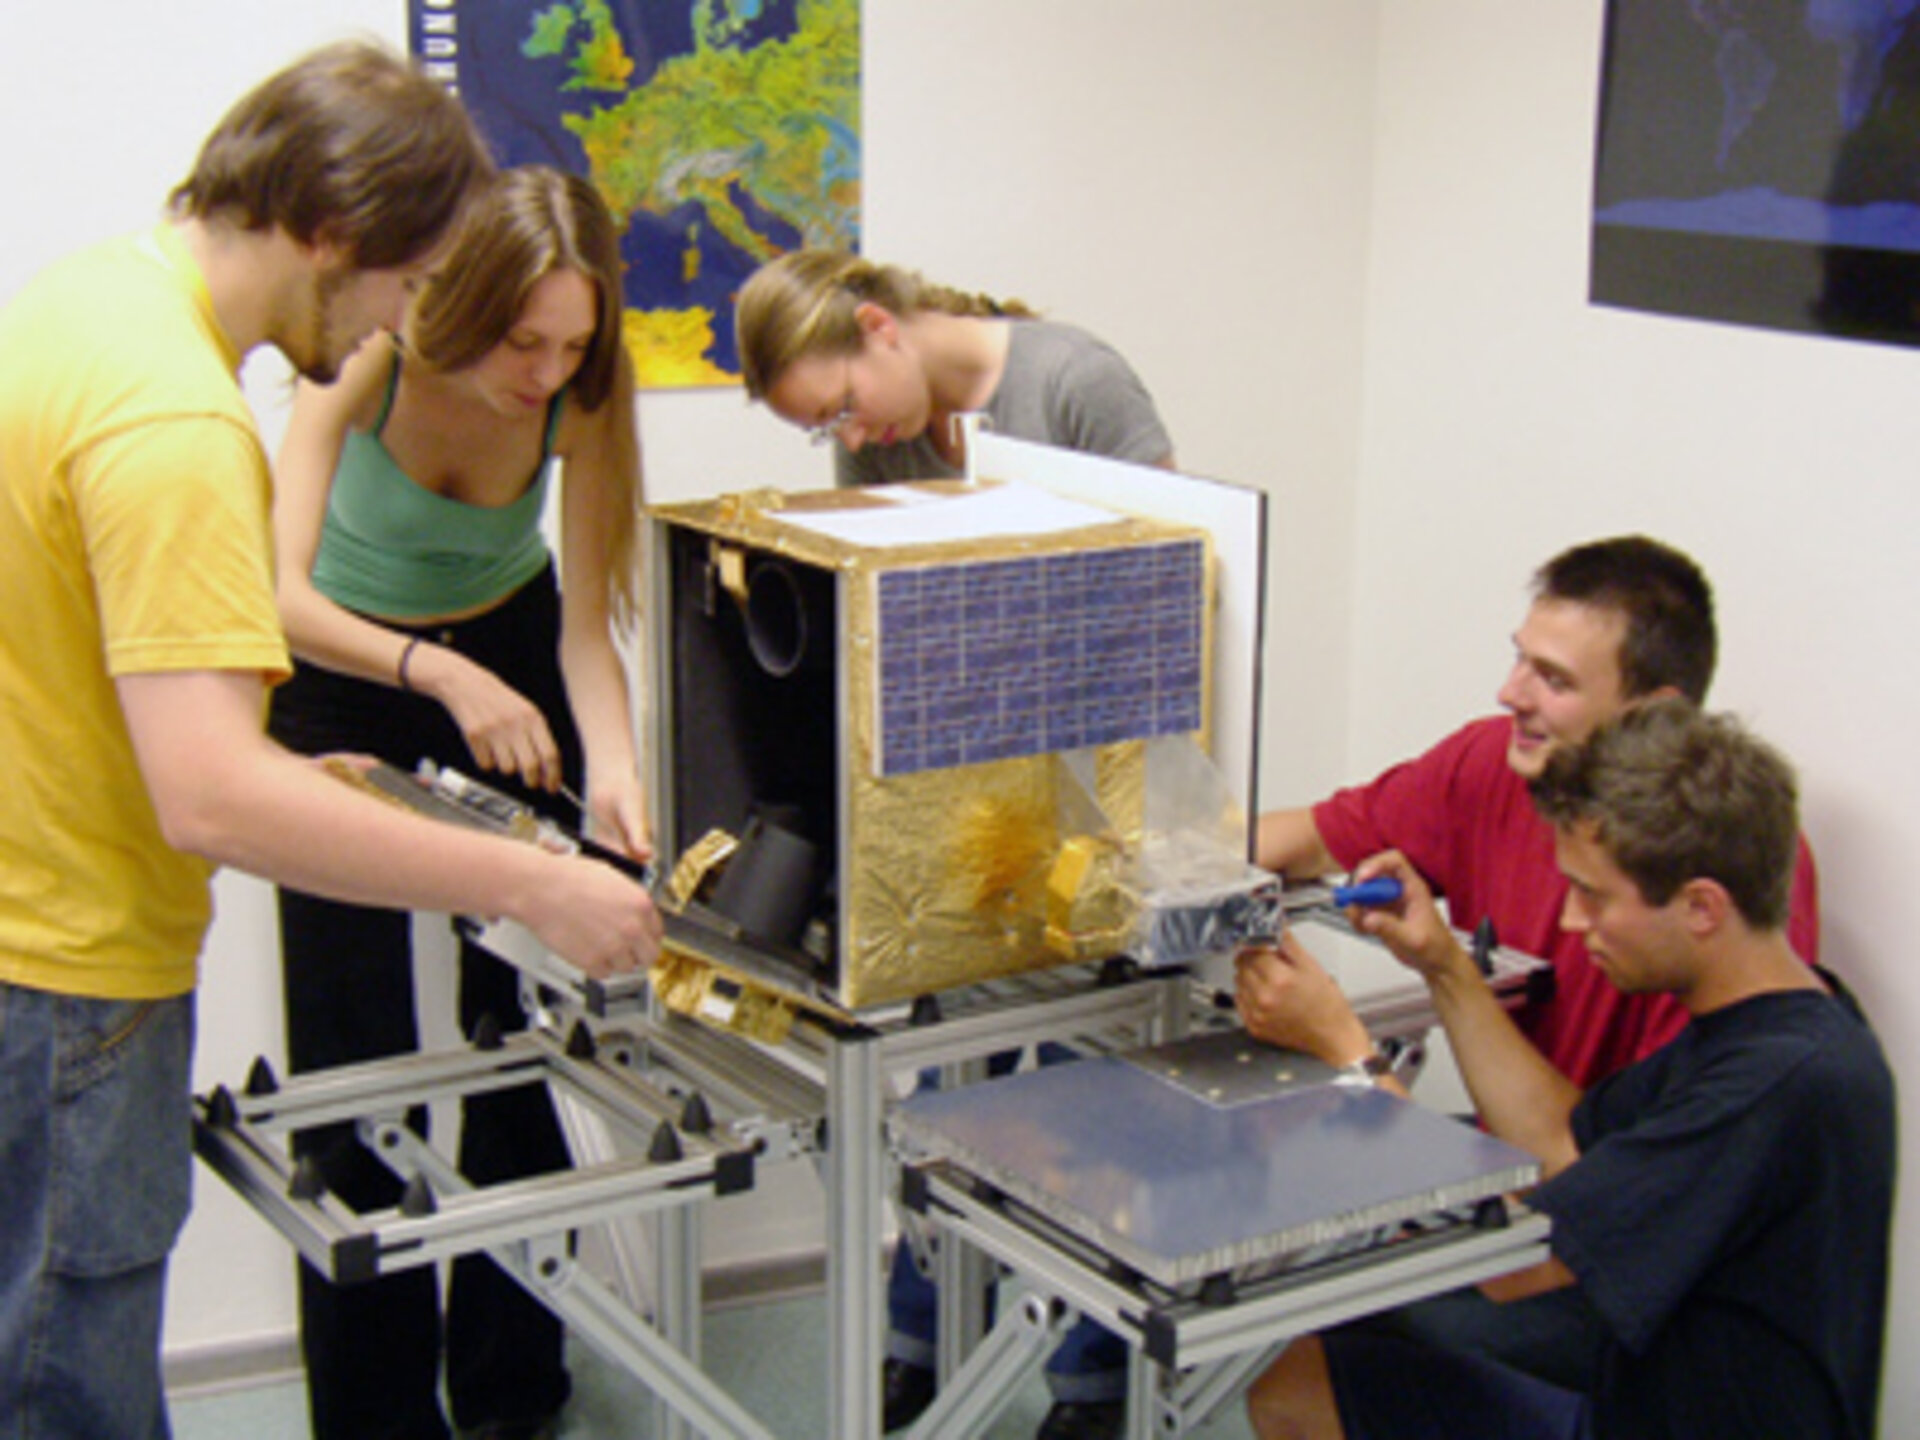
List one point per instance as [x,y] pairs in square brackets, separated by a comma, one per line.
[1381,890]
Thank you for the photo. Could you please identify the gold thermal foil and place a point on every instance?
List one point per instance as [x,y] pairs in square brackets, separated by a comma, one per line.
[698,864]
[953,880]
[947,873]
[1091,910]
[693,986]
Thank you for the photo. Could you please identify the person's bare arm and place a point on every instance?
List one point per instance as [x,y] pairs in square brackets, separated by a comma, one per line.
[318,630]
[601,448]
[224,791]
[504,730]
[1549,1274]
[1286,997]
[1519,1096]
[1288,843]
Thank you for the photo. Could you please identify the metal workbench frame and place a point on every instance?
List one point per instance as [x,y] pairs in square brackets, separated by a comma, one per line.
[823,1094]
[1188,1353]
[682,1154]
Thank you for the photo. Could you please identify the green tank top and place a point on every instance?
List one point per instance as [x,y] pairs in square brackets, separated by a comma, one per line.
[393,548]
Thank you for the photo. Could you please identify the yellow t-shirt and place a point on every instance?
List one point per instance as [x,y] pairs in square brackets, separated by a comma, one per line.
[135,526]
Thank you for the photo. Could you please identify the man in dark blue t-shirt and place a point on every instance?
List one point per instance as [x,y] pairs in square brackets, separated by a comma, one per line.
[1724,1205]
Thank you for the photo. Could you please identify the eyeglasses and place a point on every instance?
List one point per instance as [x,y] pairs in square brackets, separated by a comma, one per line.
[830,429]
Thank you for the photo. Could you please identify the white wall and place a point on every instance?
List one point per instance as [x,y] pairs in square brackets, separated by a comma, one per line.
[1504,418]
[1187,180]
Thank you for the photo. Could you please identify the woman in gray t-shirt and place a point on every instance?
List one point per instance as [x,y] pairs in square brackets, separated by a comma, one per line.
[881,360]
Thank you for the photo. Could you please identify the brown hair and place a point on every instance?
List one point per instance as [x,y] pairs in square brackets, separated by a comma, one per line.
[1662,595]
[804,302]
[1675,794]
[532,222]
[350,145]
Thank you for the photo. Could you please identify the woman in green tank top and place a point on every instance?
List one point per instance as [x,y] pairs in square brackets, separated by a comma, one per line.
[421,602]
[512,356]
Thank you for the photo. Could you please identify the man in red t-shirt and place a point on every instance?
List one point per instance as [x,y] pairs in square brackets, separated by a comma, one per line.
[1612,622]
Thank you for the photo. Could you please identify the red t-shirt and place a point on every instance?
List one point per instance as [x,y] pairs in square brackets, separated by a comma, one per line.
[1466,821]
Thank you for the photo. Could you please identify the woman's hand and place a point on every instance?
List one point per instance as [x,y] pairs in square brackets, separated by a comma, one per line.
[504,730]
[617,814]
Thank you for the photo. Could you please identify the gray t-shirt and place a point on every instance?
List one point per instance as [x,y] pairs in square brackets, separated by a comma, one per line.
[1061,386]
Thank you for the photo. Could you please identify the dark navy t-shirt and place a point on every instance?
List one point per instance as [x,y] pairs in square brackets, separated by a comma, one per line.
[1730,1217]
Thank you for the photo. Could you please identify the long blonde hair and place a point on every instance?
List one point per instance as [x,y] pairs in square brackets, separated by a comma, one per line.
[804,302]
[535,221]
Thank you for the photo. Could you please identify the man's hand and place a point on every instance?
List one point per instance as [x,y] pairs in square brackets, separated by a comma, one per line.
[594,916]
[222,790]
[1285,997]
[1412,926]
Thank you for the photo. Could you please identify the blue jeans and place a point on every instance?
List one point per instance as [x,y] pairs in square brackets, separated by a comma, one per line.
[96,1155]
[1090,1362]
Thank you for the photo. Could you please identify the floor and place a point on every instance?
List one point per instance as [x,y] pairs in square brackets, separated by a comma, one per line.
[770,1357]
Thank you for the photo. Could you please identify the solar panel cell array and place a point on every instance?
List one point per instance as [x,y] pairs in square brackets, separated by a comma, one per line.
[1001,658]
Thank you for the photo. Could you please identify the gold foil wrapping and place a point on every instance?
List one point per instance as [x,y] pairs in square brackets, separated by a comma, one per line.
[694,986]
[950,876]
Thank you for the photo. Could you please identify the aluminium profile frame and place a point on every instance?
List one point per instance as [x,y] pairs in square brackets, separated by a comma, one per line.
[523,1225]
[1189,1353]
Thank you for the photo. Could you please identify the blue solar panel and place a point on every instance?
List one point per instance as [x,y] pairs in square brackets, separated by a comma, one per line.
[1001,658]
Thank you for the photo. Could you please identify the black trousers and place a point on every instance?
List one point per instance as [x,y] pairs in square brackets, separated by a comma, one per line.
[373,1350]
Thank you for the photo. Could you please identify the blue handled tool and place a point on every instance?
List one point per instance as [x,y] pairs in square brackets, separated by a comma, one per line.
[1381,890]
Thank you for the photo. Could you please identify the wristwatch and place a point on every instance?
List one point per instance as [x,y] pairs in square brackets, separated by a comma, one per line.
[1369,1069]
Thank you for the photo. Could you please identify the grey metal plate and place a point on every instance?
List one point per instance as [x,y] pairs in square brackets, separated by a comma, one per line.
[1230,1067]
[1180,1182]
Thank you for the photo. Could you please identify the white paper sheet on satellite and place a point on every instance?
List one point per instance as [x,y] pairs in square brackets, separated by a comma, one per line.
[917,517]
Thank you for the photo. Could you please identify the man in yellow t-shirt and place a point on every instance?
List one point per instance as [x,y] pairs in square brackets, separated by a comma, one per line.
[138,634]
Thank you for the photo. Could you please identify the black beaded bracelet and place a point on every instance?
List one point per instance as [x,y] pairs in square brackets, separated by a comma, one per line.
[406,654]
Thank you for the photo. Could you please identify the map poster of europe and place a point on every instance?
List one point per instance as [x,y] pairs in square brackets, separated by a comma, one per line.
[722,133]
[1759,164]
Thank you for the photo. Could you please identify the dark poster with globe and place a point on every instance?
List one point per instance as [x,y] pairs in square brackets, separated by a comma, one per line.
[1759,164]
